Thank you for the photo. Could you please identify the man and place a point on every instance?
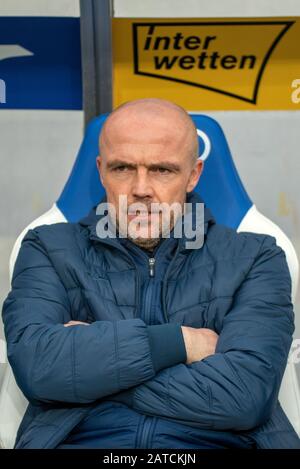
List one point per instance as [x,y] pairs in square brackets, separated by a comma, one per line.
[138,341]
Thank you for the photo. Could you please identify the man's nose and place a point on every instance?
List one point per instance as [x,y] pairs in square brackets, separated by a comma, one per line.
[142,187]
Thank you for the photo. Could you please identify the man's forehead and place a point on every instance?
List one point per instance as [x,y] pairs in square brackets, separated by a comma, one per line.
[141,154]
[156,132]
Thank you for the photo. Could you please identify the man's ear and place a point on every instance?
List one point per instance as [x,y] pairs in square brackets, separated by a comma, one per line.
[195,175]
[99,162]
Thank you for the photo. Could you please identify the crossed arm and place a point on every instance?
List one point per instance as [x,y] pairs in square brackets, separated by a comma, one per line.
[234,388]
[199,342]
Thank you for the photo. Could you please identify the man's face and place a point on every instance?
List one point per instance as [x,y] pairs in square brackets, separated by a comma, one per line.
[148,161]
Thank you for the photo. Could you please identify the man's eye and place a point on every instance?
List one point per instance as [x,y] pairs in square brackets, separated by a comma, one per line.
[163,170]
[120,169]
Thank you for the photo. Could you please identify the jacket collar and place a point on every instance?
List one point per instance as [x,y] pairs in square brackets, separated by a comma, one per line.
[91,220]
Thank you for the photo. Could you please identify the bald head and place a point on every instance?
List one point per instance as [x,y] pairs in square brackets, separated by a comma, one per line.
[155,118]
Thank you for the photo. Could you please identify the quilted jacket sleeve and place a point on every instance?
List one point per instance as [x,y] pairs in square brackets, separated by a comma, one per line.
[237,387]
[81,363]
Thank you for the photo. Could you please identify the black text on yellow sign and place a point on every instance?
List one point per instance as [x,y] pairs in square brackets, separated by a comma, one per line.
[207,64]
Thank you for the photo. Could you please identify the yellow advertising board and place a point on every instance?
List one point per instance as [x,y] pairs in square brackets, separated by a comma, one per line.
[208,64]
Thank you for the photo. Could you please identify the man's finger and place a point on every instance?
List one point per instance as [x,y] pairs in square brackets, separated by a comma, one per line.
[75,323]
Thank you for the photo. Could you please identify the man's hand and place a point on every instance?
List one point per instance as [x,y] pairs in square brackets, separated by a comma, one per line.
[199,343]
[75,323]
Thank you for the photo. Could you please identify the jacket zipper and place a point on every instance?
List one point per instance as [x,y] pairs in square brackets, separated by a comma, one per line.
[149,291]
[147,421]
[151,266]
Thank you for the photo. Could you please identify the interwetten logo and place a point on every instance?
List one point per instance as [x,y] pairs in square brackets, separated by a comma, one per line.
[224,57]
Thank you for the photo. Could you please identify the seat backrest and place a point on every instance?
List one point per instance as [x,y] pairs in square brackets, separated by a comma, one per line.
[222,190]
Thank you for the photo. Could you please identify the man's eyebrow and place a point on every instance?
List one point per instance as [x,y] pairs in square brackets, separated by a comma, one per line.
[118,162]
[164,164]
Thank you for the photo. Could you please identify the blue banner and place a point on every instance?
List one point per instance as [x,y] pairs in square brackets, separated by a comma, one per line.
[40,63]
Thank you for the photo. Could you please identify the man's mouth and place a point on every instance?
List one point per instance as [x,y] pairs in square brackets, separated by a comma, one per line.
[139,214]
